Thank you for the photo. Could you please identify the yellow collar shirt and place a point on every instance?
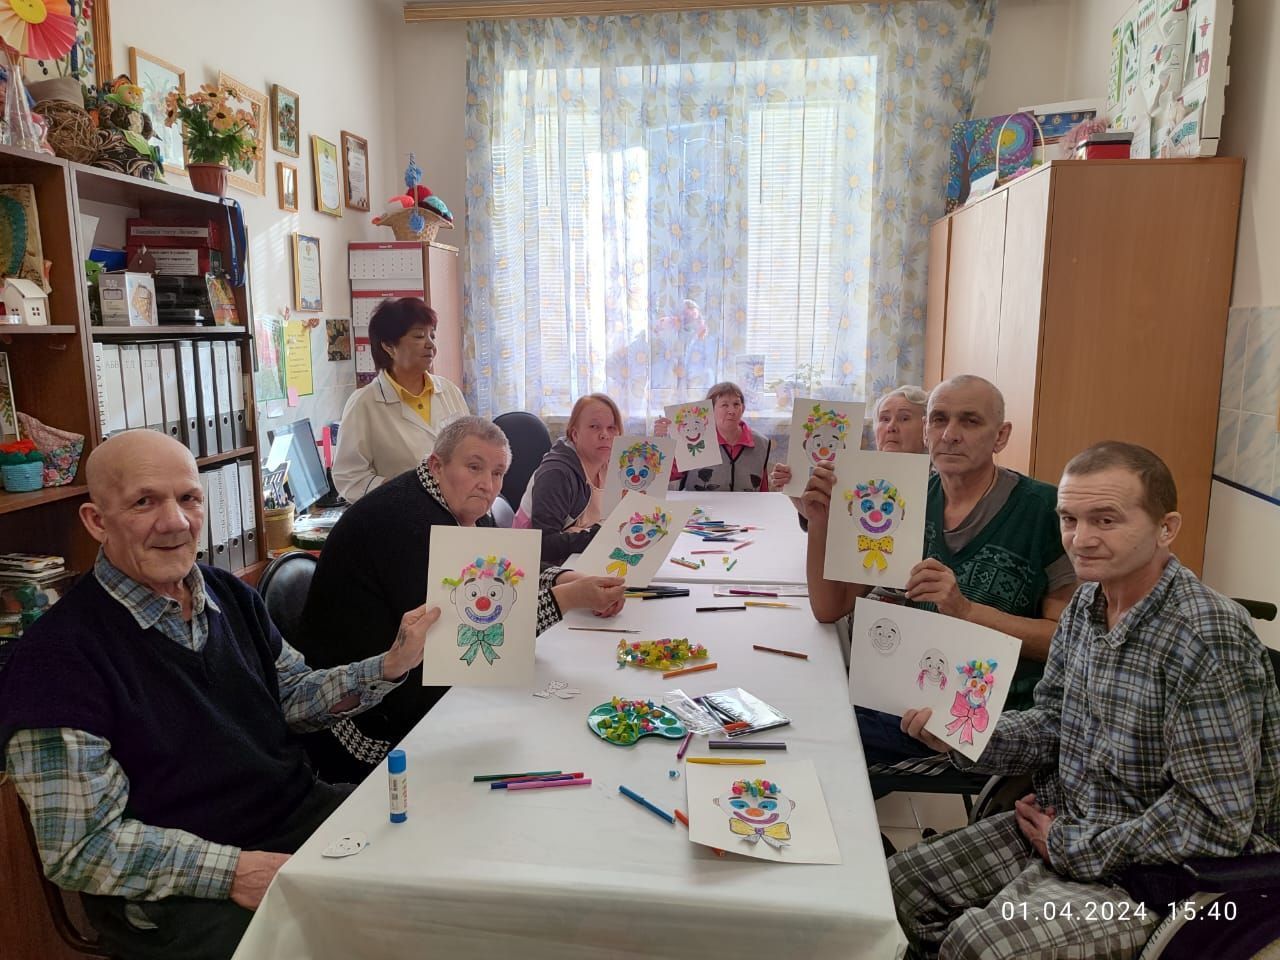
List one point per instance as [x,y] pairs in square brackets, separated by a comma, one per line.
[421,402]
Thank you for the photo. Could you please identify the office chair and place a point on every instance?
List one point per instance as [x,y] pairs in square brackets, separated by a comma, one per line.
[1249,883]
[502,513]
[284,587]
[530,440]
[77,933]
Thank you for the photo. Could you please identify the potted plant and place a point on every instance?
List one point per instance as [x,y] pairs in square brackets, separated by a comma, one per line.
[803,382]
[219,137]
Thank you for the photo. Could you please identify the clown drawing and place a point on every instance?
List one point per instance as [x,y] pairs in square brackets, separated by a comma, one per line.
[638,464]
[826,432]
[638,534]
[884,636]
[758,810]
[483,593]
[933,670]
[878,508]
[970,705]
[691,426]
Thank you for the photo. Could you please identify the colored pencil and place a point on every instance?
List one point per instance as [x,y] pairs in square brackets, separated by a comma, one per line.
[539,784]
[767,603]
[698,669]
[726,761]
[716,609]
[746,744]
[744,543]
[626,792]
[485,777]
[731,566]
[736,725]
[604,629]
[696,552]
[680,815]
[734,591]
[503,784]
[785,653]
[684,745]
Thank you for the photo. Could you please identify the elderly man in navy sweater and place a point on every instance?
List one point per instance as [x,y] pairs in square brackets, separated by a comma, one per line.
[148,720]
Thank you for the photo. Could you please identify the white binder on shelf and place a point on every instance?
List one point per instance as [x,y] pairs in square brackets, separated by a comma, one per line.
[222,382]
[216,514]
[152,402]
[207,407]
[202,549]
[188,396]
[111,389]
[235,529]
[169,391]
[135,417]
[100,390]
[248,512]
[239,419]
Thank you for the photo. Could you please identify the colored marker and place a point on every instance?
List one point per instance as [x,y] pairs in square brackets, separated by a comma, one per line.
[685,820]
[485,777]
[785,653]
[733,591]
[727,761]
[768,603]
[540,784]
[604,629]
[503,784]
[626,792]
[716,609]
[684,745]
[696,552]
[698,669]
[746,744]
[744,543]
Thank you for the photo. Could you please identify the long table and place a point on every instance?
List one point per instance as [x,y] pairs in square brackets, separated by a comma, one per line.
[776,552]
[586,873]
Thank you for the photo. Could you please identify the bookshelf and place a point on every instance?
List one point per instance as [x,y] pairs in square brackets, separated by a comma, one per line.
[52,367]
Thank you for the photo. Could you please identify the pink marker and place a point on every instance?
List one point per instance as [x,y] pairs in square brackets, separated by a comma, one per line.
[548,784]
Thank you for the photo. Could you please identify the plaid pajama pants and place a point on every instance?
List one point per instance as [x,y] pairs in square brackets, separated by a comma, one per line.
[982,892]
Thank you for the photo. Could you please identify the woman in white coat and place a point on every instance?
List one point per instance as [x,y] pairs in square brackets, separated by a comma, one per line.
[390,425]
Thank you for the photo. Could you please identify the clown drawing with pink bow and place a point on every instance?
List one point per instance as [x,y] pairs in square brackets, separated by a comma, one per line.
[638,464]
[969,708]
[638,534]
[758,810]
[483,593]
[879,509]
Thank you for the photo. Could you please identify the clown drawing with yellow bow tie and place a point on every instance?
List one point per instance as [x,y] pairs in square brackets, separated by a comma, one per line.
[758,810]
[879,510]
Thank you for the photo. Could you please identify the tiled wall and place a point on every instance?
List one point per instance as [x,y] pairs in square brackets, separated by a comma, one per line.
[1248,449]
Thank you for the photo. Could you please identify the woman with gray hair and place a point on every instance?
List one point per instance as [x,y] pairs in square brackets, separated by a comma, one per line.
[378,554]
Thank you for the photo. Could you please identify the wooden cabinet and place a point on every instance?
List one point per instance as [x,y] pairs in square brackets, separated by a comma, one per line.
[1094,294]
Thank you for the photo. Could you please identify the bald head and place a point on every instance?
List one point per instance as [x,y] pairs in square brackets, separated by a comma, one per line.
[110,466]
[975,388]
[146,507]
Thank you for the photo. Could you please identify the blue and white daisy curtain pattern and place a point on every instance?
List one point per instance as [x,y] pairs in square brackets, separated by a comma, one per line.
[658,203]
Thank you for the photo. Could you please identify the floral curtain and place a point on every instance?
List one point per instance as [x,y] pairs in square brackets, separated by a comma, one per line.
[657,203]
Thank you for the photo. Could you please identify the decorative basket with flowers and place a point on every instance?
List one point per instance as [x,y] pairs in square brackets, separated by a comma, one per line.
[219,136]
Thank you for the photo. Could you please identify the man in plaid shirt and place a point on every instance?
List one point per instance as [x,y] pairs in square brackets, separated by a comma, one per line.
[1155,737]
[146,720]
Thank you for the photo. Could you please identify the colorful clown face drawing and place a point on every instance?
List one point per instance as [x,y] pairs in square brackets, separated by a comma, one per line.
[483,595]
[826,434]
[884,636]
[638,465]
[691,424]
[877,506]
[969,709]
[933,670]
[644,530]
[758,810]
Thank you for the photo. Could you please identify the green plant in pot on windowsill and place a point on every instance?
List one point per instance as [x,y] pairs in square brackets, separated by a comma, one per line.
[804,382]
[219,137]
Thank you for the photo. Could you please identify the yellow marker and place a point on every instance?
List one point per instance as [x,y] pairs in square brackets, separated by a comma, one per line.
[762,603]
[726,761]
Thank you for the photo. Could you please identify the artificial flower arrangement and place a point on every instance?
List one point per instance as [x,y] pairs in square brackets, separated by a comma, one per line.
[214,130]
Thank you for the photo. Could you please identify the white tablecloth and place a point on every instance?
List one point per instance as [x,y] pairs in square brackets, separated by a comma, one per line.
[585,872]
[776,553]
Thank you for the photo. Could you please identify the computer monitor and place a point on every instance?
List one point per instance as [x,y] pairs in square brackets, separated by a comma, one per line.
[308,481]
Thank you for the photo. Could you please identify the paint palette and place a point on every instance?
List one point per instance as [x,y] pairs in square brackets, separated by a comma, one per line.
[623,722]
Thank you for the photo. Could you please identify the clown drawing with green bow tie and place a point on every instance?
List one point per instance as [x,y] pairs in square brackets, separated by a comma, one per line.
[692,421]
[483,593]
[638,534]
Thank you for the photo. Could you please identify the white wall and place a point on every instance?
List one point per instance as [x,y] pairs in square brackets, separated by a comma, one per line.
[1028,60]
[337,55]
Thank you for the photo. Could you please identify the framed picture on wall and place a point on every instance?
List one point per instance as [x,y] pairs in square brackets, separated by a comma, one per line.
[324,162]
[355,170]
[158,78]
[287,185]
[244,97]
[307,294]
[285,108]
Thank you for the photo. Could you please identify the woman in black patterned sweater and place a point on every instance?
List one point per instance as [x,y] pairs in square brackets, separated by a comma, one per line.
[377,555]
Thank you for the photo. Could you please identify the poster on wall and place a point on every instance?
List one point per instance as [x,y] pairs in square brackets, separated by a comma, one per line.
[297,359]
[268,381]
